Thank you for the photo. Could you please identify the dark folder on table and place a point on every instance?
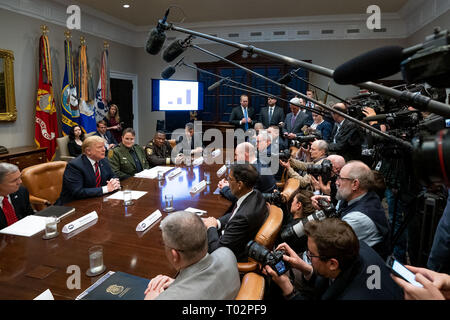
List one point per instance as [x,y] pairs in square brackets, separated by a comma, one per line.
[117,286]
[57,211]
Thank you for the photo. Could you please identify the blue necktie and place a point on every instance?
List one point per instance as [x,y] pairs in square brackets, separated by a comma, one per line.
[246,119]
[270,115]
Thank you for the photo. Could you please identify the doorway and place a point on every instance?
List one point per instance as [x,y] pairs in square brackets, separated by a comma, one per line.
[124,95]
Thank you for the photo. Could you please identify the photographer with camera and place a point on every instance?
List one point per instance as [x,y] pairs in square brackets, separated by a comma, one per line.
[338,269]
[295,120]
[360,207]
[345,139]
[318,153]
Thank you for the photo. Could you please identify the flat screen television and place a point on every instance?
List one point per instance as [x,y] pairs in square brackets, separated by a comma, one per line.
[177,95]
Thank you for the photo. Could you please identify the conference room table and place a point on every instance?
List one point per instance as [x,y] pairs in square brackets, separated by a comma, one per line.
[31,265]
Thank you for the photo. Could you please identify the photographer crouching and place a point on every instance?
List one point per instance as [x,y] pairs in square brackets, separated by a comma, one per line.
[338,269]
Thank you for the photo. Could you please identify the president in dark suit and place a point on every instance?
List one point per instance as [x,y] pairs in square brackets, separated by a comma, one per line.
[88,175]
[102,132]
[271,115]
[295,120]
[14,198]
[236,228]
[242,116]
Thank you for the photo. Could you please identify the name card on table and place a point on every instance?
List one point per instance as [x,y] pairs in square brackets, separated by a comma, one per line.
[197,161]
[221,171]
[173,173]
[74,225]
[216,153]
[147,222]
[196,211]
[199,186]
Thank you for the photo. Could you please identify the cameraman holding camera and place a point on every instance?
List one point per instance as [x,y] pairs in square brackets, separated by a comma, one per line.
[339,264]
[329,188]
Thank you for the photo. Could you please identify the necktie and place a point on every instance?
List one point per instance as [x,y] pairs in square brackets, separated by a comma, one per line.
[293,121]
[9,212]
[136,160]
[98,178]
[270,115]
[246,119]
[337,131]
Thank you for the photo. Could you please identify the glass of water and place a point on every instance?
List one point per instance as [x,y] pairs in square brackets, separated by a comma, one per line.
[96,265]
[207,177]
[127,198]
[168,199]
[51,228]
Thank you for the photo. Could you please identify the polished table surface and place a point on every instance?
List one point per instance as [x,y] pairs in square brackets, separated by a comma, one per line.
[31,265]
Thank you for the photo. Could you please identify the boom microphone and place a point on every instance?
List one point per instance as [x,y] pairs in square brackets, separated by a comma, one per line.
[216,84]
[169,71]
[383,117]
[372,65]
[176,48]
[157,36]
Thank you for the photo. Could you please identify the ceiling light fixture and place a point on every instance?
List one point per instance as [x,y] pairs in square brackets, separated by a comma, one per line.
[126,6]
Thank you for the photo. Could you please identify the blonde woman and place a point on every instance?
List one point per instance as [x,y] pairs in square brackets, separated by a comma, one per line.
[112,119]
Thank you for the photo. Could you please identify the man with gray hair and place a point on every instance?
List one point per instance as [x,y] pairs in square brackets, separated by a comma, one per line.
[201,276]
[295,120]
[14,198]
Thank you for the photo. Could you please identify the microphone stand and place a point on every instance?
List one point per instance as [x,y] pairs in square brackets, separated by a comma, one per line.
[346,116]
[249,89]
[421,102]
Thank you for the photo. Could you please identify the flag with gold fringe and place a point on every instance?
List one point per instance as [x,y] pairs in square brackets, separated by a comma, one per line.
[85,91]
[70,112]
[103,96]
[46,123]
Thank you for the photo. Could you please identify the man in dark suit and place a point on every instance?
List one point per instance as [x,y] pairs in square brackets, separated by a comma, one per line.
[271,115]
[14,198]
[345,139]
[187,142]
[242,116]
[89,174]
[235,229]
[295,120]
[102,131]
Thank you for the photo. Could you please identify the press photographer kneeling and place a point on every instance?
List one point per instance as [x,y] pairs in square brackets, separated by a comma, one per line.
[339,266]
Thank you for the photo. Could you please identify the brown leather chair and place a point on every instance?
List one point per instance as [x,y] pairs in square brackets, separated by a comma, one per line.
[290,187]
[266,236]
[252,287]
[44,182]
[173,143]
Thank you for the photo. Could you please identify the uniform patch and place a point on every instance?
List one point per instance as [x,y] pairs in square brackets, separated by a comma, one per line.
[149,151]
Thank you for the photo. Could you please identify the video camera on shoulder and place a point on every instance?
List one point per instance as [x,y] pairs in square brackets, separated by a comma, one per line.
[305,141]
[324,170]
[273,259]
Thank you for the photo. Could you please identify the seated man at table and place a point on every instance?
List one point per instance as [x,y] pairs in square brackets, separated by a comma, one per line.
[188,143]
[235,229]
[159,151]
[14,198]
[127,158]
[200,275]
[89,174]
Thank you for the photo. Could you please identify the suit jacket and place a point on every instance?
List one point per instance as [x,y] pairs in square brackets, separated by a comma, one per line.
[109,137]
[242,228]
[237,115]
[325,128]
[348,141]
[301,120]
[74,148]
[122,162]
[205,279]
[79,180]
[192,146]
[20,200]
[277,116]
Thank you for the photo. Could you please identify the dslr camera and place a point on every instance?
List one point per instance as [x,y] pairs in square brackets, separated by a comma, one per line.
[273,259]
[275,198]
[324,170]
[303,141]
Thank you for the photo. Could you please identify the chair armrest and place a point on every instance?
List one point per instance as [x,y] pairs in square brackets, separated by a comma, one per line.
[245,267]
[36,200]
[66,158]
[252,287]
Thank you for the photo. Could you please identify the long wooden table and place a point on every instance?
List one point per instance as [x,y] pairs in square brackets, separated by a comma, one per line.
[23,261]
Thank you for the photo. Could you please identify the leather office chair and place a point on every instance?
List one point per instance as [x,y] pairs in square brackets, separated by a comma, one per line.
[290,187]
[266,236]
[63,149]
[173,143]
[252,287]
[44,183]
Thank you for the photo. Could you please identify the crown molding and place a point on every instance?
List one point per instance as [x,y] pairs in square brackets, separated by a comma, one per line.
[412,17]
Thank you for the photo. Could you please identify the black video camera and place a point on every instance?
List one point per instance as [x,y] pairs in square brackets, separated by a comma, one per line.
[275,198]
[273,259]
[324,170]
[284,155]
[303,141]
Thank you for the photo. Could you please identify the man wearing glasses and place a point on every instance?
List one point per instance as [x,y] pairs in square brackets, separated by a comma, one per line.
[339,266]
[235,229]
[360,207]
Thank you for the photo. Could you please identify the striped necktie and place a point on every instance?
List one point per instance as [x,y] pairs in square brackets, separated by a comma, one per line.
[98,178]
[8,210]
[246,119]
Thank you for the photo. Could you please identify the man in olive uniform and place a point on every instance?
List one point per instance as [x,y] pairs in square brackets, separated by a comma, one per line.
[127,158]
[158,151]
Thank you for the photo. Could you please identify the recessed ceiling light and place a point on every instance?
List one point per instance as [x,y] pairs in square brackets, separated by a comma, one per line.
[126,6]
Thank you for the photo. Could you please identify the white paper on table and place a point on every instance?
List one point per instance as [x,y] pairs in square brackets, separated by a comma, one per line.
[26,227]
[196,211]
[46,295]
[153,172]
[134,195]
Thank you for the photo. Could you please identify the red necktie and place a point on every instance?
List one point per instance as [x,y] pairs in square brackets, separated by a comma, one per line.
[98,178]
[9,212]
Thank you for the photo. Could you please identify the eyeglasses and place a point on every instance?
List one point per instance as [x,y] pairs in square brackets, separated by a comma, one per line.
[308,254]
[229,178]
[338,177]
